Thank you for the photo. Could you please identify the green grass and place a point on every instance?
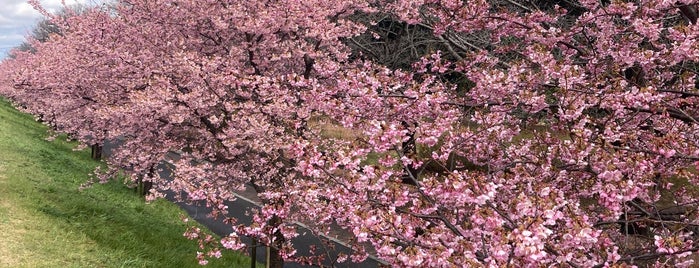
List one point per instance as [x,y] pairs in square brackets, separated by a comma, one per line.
[45,221]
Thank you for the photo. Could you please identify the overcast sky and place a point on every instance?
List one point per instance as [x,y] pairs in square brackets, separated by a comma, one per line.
[17,19]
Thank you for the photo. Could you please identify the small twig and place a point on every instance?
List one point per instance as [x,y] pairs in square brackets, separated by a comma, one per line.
[679,92]
[520,5]
[450,48]
[571,46]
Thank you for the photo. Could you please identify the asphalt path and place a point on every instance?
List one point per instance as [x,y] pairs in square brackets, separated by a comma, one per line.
[239,207]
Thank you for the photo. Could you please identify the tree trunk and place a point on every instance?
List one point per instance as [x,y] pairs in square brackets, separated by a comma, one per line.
[274,259]
[689,12]
[409,149]
[143,187]
[96,151]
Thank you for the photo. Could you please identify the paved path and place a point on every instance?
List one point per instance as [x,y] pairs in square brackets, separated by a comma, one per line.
[237,210]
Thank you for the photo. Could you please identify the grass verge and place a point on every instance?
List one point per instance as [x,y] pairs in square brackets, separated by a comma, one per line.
[45,221]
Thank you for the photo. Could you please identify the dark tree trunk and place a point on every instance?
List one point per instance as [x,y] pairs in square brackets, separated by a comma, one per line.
[410,150]
[96,151]
[274,258]
[144,186]
[689,12]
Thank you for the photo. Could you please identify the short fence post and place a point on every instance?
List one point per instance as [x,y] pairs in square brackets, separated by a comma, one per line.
[253,252]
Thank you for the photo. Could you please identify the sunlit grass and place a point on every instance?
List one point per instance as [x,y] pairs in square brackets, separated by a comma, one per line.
[45,221]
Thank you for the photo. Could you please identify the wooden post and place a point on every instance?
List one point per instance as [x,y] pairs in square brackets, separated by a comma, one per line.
[253,252]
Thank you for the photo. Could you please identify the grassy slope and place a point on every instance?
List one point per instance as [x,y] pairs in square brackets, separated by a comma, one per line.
[46,222]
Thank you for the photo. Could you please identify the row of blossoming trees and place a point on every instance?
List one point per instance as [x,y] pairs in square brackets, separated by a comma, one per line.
[508,132]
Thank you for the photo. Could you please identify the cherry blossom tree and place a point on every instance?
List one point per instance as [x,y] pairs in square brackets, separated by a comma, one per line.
[519,133]
[575,125]
[68,98]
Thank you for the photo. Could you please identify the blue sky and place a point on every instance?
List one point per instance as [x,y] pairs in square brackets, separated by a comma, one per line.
[17,19]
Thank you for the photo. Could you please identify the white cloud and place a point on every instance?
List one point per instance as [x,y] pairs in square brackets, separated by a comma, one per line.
[17,18]
[11,38]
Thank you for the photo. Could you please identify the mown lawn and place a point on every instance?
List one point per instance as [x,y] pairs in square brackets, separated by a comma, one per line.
[45,221]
